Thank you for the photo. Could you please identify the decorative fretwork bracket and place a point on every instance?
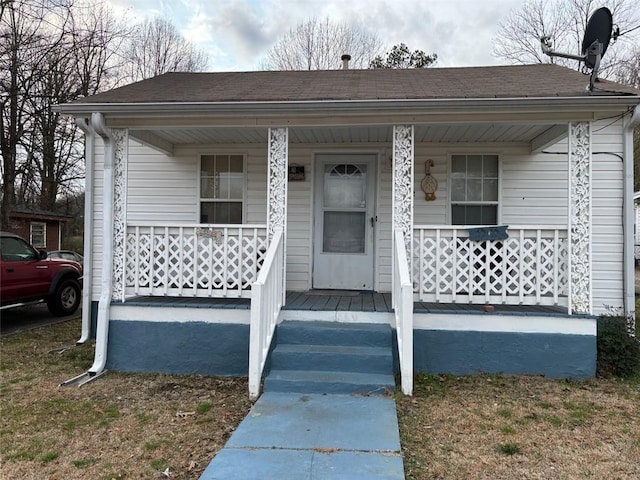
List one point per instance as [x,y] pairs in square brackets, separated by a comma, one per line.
[277,177]
[120,154]
[580,216]
[403,158]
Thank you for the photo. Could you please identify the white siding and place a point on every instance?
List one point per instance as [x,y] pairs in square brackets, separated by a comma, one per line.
[607,195]
[534,191]
[98,195]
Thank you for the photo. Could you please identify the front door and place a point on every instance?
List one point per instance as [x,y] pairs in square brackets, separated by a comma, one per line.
[344,221]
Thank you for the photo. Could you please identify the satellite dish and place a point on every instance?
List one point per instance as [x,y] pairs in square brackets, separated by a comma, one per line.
[594,43]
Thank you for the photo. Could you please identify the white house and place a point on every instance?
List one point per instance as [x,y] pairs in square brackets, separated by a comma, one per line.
[212,195]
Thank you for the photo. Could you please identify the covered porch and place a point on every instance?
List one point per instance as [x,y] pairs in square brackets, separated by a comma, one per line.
[418,268]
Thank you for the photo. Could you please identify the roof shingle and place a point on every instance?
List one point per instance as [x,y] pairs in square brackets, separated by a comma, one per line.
[516,81]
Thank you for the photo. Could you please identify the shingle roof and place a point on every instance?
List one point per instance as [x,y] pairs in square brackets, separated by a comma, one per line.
[531,81]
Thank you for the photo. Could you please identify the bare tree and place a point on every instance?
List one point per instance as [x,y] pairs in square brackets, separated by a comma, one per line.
[401,57]
[157,47]
[319,45]
[518,38]
[53,51]
[628,71]
[23,50]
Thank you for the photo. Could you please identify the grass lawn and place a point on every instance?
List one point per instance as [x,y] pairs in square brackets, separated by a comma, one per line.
[126,426]
[121,426]
[504,427]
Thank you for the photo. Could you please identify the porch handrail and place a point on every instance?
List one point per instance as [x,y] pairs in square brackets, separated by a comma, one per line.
[267,294]
[403,310]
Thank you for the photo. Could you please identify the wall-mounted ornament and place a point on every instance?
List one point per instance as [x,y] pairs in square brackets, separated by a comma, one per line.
[429,184]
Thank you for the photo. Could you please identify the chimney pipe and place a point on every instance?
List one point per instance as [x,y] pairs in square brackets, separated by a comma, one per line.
[345,61]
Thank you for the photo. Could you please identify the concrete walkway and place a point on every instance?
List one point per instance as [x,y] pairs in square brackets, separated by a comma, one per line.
[289,436]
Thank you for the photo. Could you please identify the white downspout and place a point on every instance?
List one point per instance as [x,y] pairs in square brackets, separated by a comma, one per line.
[84,125]
[628,216]
[99,126]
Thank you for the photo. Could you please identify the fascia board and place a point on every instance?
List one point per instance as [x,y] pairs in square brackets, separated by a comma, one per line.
[354,107]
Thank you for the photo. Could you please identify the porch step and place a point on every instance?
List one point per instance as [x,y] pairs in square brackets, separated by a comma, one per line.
[334,333]
[314,381]
[348,358]
[331,357]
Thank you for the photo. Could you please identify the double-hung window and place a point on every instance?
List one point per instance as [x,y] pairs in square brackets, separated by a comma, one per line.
[474,189]
[222,186]
[38,234]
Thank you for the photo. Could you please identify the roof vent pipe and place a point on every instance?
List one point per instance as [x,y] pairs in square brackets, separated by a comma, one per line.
[345,61]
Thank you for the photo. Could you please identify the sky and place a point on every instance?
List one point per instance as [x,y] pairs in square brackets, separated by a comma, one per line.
[236,34]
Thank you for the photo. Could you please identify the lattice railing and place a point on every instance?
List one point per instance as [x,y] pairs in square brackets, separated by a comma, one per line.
[529,267]
[193,260]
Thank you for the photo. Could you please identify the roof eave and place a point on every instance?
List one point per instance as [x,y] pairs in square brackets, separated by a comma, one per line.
[582,103]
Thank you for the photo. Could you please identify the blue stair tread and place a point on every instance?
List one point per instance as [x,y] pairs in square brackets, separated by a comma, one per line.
[382,327]
[335,349]
[314,376]
[334,333]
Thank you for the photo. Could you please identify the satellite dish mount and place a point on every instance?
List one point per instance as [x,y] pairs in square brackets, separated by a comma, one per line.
[594,43]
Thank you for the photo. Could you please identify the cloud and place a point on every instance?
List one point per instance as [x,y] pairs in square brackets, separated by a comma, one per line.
[237,33]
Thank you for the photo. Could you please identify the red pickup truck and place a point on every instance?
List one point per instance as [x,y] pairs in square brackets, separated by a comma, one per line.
[28,276]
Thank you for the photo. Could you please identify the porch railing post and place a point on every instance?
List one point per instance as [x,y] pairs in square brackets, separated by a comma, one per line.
[402,194]
[277,190]
[580,217]
[121,153]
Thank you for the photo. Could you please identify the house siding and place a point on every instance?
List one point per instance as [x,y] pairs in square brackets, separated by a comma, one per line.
[607,172]
[533,192]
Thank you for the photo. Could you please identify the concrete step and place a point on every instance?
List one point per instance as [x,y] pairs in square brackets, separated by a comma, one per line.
[345,358]
[305,381]
[334,333]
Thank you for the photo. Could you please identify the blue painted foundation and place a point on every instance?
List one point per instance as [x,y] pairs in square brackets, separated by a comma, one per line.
[223,349]
[469,352]
[182,348]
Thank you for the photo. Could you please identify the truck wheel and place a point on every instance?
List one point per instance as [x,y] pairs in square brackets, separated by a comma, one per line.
[66,299]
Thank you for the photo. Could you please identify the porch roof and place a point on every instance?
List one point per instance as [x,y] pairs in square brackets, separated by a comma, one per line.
[515,81]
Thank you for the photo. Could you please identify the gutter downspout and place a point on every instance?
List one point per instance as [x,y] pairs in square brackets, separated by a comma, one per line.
[628,221]
[99,126]
[84,125]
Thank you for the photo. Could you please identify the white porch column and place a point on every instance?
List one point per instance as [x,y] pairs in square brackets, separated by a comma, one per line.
[120,155]
[277,193]
[277,178]
[402,210]
[580,217]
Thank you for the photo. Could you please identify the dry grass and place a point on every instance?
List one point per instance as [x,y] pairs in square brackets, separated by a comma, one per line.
[120,426]
[495,427]
[126,426]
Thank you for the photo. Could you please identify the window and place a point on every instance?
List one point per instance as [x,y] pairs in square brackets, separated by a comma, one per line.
[474,189]
[16,250]
[38,234]
[221,188]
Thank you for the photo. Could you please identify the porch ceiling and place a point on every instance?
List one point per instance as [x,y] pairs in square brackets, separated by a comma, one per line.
[437,133]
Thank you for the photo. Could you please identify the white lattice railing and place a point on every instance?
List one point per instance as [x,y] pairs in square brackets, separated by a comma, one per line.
[402,297]
[193,260]
[530,267]
[267,298]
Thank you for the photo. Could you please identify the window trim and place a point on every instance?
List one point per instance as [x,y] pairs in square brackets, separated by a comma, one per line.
[245,187]
[44,234]
[451,203]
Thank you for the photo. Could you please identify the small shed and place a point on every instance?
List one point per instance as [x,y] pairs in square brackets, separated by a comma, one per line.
[41,228]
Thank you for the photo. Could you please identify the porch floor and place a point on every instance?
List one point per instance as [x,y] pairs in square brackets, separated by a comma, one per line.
[347,301]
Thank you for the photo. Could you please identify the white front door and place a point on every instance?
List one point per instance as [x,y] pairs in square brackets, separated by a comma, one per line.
[344,221]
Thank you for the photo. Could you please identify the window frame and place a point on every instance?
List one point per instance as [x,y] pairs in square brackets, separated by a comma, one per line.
[44,234]
[451,203]
[242,201]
